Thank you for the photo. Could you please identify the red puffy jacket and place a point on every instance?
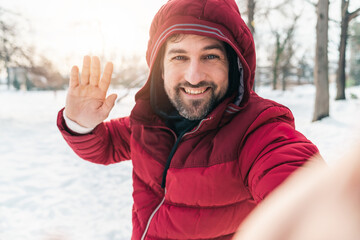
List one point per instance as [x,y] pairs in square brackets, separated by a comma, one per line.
[219,170]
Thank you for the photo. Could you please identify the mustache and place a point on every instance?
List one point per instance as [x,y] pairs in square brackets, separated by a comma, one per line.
[199,85]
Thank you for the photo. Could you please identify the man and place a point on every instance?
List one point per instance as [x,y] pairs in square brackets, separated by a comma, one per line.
[205,148]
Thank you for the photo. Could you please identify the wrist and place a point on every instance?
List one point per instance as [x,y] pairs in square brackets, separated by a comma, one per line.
[75,127]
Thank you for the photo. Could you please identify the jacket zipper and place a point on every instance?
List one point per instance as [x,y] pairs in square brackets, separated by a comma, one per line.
[152,215]
[174,148]
[164,176]
[197,128]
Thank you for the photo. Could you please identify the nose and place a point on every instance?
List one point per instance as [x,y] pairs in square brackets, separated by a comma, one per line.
[195,72]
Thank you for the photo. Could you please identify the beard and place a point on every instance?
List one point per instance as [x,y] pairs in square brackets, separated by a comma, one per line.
[195,109]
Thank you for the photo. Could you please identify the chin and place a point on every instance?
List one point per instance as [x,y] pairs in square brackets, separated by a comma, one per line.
[194,114]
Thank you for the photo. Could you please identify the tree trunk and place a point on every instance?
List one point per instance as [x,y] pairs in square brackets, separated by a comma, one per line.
[251,13]
[276,61]
[8,77]
[275,74]
[299,74]
[321,62]
[346,17]
[285,71]
[340,76]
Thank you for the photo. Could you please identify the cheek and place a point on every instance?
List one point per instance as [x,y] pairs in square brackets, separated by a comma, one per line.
[222,80]
[168,86]
[225,82]
[170,79]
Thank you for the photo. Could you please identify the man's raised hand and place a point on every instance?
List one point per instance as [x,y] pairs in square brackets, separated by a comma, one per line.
[86,101]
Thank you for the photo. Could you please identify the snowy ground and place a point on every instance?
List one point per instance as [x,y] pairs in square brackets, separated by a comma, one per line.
[48,193]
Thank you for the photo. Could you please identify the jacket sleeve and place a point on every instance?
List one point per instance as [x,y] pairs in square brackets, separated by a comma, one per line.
[270,154]
[108,143]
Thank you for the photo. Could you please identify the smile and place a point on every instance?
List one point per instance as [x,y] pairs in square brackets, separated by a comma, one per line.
[193,91]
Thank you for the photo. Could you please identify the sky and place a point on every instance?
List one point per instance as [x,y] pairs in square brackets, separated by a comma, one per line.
[66,30]
[70,29]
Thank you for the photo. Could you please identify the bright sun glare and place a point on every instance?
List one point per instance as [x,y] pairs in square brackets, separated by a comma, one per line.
[64,31]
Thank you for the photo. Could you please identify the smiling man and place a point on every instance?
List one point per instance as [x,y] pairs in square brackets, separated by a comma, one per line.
[205,148]
[196,74]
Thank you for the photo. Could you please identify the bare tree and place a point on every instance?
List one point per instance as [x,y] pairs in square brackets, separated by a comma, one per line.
[45,68]
[346,17]
[11,52]
[321,72]
[355,52]
[283,53]
[287,65]
[305,70]
[131,73]
[251,4]
[264,10]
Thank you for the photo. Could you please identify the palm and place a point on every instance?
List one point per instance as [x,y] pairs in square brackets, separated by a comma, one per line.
[86,101]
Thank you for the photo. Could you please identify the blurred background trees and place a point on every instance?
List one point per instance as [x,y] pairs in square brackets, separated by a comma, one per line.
[354,53]
[24,68]
[12,54]
[131,72]
[288,61]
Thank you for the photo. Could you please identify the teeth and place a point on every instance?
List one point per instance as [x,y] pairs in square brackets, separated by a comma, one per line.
[194,91]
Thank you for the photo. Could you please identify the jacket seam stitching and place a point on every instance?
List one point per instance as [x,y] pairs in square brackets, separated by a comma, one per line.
[167,202]
[206,166]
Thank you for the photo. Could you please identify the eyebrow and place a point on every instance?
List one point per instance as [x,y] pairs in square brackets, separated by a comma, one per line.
[176,51]
[215,46]
[209,47]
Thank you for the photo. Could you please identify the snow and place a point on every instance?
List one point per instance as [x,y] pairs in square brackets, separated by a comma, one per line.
[48,193]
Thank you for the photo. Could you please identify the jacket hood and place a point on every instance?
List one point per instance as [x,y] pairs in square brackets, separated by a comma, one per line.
[218,19]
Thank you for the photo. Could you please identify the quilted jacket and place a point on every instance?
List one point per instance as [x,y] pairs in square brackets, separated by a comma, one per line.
[219,170]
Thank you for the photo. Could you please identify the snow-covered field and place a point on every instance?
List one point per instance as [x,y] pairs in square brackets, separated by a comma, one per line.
[48,193]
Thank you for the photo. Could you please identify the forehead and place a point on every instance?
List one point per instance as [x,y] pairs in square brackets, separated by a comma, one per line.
[193,42]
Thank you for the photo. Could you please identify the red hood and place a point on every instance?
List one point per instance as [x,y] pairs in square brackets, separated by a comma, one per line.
[218,19]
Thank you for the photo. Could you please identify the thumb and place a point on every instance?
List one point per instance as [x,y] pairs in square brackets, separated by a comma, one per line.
[109,103]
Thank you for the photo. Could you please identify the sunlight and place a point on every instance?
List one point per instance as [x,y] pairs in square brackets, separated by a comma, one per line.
[66,31]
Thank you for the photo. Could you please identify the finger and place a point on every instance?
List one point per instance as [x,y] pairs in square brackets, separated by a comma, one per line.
[95,71]
[106,77]
[85,72]
[74,77]
[109,104]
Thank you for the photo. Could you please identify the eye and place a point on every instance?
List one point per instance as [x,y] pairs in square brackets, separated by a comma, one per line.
[179,58]
[212,56]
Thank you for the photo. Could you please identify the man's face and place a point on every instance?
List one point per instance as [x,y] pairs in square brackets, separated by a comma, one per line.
[195,73]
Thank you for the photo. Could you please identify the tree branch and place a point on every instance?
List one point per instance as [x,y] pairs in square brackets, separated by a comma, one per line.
[354,14]
[277,7]
[312,3]
[280,4]
[334,21]
[345,7]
